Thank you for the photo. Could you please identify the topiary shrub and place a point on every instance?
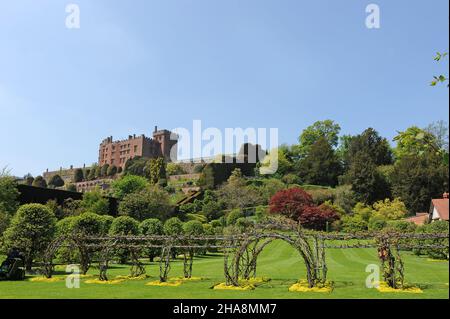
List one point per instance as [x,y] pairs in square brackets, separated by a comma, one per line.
[31,230]
[124,225]
[153,227]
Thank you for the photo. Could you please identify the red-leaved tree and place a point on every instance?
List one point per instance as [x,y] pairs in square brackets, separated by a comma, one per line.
[290,202]
[317,217]
[298,205]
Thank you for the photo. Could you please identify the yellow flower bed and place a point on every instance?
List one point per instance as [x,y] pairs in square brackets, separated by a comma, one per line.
[253,281]
[437,260]
[44,279]
[104,282]
[186,279]
[224,286]
[384,287]
[164,284]
[302,286]
[141,277]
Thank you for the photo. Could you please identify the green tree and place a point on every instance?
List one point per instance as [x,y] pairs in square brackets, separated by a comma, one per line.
[8,195]
[153,202]
[174,169]
[128,184]
[32,229]
[78,175]
[39,181]
[321,129]
[390,209]
[173,226]
[415,141]
[157,169]
[367,183]
[112,170]
[370,143]
[104,170]
[124,226]
[152,227]
[94,202]
[56,181]
[321,166]
[418,179]
[28,179]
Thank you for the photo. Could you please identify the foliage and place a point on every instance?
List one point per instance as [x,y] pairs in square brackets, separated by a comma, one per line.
[94,202]
[415,180]
[78,175]
[153,202]
[56,181]
[233,216]
[290,202]
[371,144]
[440,226]
[351,224]
[367,183]
[318,217]
[439,78]
[8,195]
[173,226]
[157,170]
[320,166]
[174,169]
[128,184]
[31,230]
[390,210]
[416,142]
[104,170]
[236,194]
[327,130]
[151,227]
[206,180]
[39,181]
[193,228]
[112,170]
[344,197]
[87,224]
[124,225]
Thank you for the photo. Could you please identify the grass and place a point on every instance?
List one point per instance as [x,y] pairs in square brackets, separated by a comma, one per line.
[279,262]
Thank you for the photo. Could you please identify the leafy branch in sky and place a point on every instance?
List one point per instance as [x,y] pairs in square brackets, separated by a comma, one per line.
[441,78]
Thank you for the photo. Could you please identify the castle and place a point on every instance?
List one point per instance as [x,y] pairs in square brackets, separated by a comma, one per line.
[118,152]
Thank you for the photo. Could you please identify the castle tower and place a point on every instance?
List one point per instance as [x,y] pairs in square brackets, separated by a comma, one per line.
[163,137]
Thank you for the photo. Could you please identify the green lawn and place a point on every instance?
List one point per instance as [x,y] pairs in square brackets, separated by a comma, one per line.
[279,262]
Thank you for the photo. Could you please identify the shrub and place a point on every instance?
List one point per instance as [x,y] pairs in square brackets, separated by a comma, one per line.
[87,224]
[8,195]
[56,181]
[318,218]
[173,226]
[401,226]
[233,216]
[78,175]
[376,223]
[128,184]
[31,230]
[432,228]
[352,224]
[153,227]
[94,202]
[193,228]
[39,181]
[152,202]
[290,202]
[124,225]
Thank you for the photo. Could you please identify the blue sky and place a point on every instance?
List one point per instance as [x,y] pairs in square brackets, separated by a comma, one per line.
[230,63]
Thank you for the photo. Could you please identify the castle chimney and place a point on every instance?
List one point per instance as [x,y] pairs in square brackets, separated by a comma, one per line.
[71,166]
[445,195]
[156,128]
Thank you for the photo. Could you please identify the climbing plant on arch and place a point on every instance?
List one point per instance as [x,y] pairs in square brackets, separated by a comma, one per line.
[241,249]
